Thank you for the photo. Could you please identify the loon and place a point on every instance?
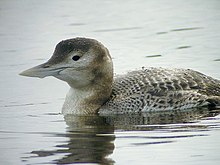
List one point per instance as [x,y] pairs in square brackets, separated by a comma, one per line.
[86,65]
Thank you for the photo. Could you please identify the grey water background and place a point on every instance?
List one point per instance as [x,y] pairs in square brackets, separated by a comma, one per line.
[172,33]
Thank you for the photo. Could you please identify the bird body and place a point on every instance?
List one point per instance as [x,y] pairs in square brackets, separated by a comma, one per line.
[86,65]
[159,89]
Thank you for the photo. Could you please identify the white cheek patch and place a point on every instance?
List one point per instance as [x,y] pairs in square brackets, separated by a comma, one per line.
[76,78]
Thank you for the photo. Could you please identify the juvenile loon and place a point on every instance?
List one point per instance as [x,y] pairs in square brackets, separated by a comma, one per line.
[86,65]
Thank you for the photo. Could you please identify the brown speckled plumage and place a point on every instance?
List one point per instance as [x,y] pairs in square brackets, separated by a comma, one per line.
[156,89]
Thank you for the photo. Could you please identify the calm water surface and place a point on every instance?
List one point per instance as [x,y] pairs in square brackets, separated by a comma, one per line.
[174,33]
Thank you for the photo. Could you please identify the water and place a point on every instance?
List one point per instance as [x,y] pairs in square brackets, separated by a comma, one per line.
[138,33]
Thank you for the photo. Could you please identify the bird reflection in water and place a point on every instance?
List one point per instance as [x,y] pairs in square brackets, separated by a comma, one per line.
[91,138]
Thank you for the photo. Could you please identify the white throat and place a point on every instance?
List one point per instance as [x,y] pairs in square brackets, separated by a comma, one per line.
[76,102]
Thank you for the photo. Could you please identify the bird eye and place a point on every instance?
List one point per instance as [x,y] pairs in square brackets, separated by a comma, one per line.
[76,58]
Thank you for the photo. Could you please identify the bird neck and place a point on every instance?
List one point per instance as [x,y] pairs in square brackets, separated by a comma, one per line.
[88,100]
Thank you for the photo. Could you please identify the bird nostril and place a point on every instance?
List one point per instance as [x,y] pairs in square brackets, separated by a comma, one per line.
[46,66]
